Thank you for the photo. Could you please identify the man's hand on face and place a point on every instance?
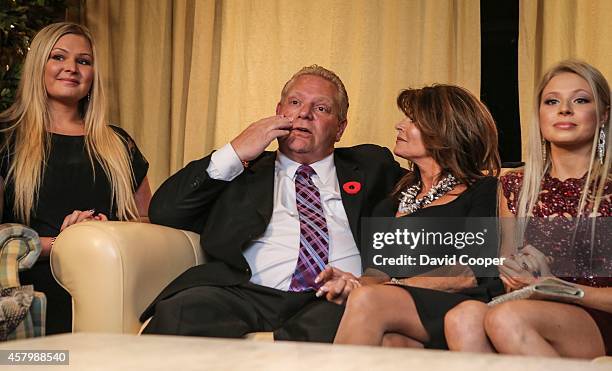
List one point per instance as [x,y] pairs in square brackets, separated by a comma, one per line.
[254,139]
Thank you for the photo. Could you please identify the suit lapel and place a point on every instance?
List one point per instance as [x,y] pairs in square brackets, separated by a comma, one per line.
[260,185]
[260,188]
[353,202]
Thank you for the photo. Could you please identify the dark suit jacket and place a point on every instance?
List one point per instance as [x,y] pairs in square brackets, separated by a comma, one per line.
[229,215]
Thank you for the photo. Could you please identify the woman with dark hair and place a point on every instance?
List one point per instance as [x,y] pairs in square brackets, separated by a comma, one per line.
[450,139]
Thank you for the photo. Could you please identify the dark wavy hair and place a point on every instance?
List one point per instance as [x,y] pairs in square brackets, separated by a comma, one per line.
[457,130]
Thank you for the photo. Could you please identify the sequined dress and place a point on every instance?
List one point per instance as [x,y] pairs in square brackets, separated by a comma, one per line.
[579,253]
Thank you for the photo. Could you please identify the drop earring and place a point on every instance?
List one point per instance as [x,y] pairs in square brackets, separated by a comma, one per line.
[601,144]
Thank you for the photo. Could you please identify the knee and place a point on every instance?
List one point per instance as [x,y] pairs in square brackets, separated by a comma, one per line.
[464,321]
[363,300]
[172,308]
[165,319]
[464,316]
[505,321]
[198,311]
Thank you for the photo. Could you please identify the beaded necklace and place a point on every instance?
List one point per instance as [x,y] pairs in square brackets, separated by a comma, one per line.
[409,203]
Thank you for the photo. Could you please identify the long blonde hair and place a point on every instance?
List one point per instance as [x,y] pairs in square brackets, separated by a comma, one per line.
[26,125]
[537,165]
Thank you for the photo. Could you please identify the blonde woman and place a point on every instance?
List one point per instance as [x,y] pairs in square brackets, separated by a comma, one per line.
[562,204]
[61,162]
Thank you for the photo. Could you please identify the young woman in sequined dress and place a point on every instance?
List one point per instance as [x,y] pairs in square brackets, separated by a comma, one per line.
[559,205]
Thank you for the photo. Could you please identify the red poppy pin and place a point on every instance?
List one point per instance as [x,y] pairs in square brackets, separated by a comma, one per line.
[352,188]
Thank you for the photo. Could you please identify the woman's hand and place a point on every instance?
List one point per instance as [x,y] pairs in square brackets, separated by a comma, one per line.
[336,284]
[525,268]
[78,216]
[536,261]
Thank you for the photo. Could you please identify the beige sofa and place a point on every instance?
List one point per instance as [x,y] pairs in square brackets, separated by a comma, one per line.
[113,270]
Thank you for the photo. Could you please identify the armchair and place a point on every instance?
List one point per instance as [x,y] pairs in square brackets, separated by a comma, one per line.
[113,270]
[22,310]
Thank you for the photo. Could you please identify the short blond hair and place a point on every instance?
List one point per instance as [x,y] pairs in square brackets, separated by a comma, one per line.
[341,95]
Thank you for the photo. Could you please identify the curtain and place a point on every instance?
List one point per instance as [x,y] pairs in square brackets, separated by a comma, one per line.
[186,76]
[157,60]
[554,30]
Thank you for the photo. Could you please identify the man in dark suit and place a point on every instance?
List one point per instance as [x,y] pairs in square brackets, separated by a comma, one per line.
[271,221]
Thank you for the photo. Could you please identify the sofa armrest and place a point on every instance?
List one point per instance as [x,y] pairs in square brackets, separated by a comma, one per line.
[19,249]
[113,270]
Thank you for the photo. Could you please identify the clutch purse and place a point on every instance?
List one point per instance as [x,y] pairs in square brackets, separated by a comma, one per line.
[548,289]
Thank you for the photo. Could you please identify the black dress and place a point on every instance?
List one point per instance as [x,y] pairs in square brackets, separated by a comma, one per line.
[479,200]
[68,184]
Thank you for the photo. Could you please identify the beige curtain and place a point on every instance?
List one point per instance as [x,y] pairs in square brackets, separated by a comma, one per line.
[185,77]
[155,92]
[554,30]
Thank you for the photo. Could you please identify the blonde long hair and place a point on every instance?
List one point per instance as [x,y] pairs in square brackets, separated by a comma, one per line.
[536,165]
[27,122]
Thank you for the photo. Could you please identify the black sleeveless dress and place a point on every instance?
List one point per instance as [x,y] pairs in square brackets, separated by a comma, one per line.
[68,184]
[479,200]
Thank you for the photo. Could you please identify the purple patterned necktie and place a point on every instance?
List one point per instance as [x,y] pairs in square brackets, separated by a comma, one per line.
[314,237]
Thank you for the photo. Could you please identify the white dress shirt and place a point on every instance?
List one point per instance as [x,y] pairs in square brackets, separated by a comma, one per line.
[273,256]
